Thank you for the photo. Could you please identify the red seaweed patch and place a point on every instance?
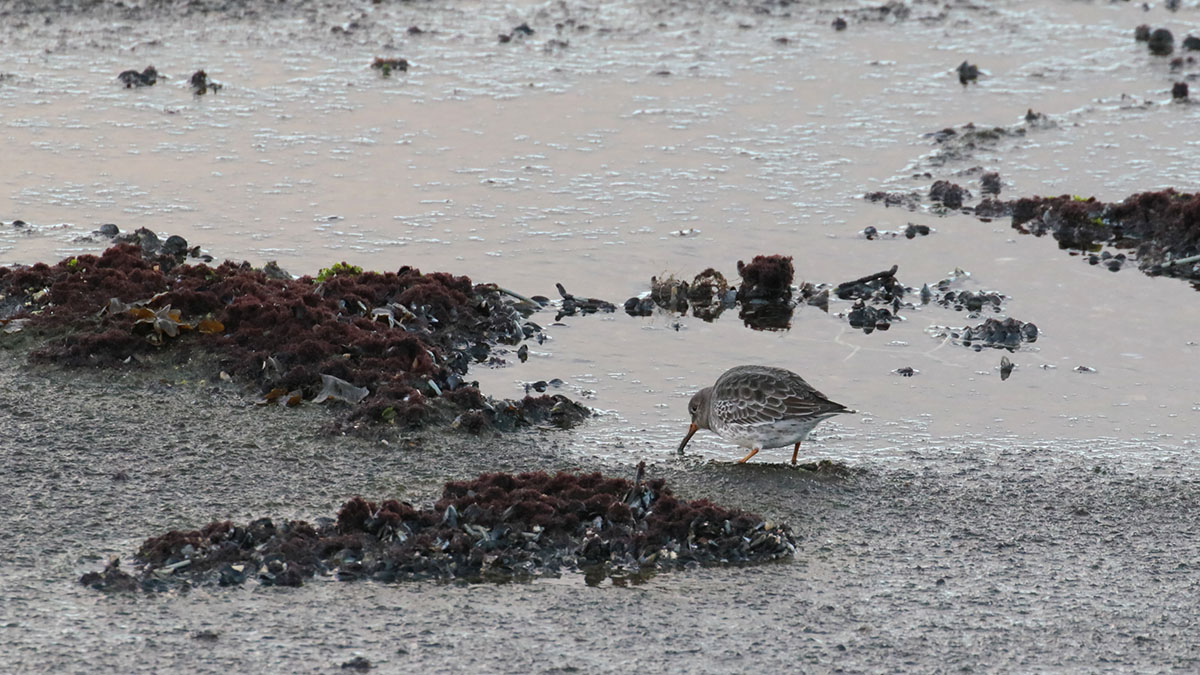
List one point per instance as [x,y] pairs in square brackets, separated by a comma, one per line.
[388,347]
[1161,228]
[767,277]
[497,527]
[766,292]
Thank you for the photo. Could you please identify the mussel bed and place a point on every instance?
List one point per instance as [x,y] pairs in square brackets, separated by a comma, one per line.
[497,527]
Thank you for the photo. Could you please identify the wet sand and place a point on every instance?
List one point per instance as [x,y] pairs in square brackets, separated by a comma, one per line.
[980,555]
[1042,523]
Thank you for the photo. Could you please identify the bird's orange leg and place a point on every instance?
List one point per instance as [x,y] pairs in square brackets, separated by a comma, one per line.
[752,453]
[795,453]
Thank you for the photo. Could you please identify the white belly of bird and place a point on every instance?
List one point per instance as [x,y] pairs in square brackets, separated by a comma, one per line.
[769,434]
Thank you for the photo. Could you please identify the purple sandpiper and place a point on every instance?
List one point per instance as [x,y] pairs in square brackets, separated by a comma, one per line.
[760,407]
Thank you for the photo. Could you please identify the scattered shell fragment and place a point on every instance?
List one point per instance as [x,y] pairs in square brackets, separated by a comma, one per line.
[339,389]
[13,325]
[384,313]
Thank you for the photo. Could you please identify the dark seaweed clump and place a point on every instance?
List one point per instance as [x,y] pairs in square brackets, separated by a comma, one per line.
[406,337]
[707,296]
[498,527]
[949,194]
[710,294]
[908,200]
[1161,228]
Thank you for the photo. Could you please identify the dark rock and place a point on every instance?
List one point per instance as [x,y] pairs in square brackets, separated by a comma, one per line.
[1142,33]
[132,78]
[554,411]
[880,287]
[1006,368]
[1191,42]
[233,575]
[868,318]
[175,245]
[572,305]
[910,231]
[358,663]
[111,579]
[639,306]
[967,73]
[109,230]
[815,297]
[971,301]
[1161,42]
[1179,91]
[519,32]
[839,24]
[877,299]
[145,239]
[999,334]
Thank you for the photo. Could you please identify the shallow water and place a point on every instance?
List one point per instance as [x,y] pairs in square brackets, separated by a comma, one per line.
[526,165]
[663,139]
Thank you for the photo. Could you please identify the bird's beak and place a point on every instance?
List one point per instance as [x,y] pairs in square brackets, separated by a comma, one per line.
[691,430]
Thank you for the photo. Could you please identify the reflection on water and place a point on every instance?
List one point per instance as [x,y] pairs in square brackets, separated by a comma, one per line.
[640,148]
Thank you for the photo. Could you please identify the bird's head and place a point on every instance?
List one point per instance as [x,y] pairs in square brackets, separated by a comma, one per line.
[698,409]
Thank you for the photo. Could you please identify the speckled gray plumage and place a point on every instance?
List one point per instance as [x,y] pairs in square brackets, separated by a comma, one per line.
[760,407]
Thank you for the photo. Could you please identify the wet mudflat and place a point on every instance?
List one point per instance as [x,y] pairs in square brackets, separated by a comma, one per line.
[1037,522]
[1013,556]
